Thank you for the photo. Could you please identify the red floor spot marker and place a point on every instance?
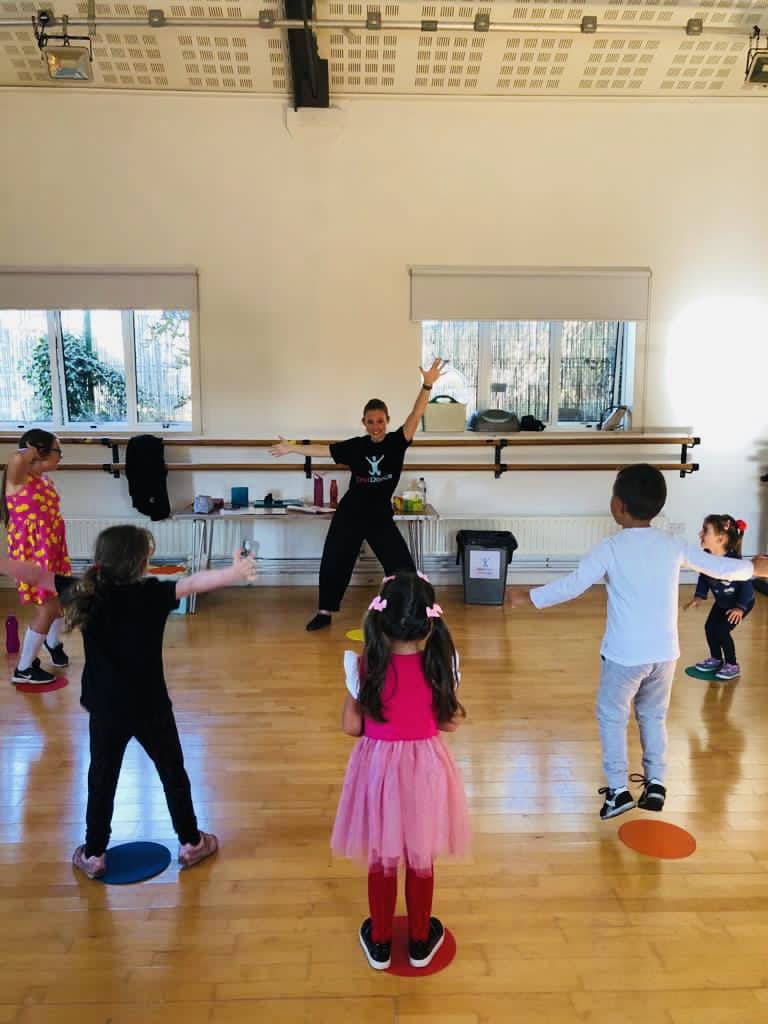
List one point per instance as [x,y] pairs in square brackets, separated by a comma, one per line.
[58,684]
[401,967]
[657,839]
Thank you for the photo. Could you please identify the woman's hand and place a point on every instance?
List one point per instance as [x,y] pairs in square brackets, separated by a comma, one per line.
[282,447]
[434,372]
[734,616]
[693,603]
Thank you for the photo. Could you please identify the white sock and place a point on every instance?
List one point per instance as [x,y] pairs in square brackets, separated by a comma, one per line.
[29,649]
[54,632]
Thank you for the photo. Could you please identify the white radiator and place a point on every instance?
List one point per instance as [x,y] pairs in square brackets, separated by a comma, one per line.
[173,537]
[538,536]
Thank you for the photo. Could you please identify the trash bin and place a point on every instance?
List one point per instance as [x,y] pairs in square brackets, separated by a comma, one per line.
[485,555]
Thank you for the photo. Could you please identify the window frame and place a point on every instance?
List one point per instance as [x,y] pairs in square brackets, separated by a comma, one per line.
[630,382]
[60,421]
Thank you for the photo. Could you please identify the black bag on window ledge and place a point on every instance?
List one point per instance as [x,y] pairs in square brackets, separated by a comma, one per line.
[531,423]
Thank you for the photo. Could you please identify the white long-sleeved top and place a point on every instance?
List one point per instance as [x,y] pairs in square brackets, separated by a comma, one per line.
[641,568]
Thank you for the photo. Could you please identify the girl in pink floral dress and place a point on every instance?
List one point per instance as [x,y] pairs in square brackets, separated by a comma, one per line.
[35,529]
[403,802]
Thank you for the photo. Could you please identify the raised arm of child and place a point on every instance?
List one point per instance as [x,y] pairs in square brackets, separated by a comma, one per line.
[284,447]
[28,572]
[352,717]
[242,570]
[591,569]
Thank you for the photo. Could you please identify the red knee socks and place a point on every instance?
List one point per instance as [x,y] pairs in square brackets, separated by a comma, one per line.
[382,897]
[418,899]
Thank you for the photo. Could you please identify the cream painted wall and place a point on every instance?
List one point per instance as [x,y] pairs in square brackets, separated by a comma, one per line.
[302,228]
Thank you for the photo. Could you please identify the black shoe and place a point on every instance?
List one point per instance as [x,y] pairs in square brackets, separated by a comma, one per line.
[378,954]
[320,621]
[617,801]
[421,954]
[653,796]
[57,655]
[33,674]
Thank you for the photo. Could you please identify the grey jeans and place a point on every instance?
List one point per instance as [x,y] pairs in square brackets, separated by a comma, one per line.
[650,687]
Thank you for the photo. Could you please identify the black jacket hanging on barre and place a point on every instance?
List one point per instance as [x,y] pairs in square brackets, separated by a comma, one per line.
[147,475]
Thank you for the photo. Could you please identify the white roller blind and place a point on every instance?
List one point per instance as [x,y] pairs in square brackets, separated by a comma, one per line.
[529,293]
[98,288]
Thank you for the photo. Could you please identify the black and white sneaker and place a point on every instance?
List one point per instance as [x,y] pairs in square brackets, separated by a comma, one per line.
[378,954]
[57,655]
[617,801]
[421,954]
[654,793]
[33,674]
[320,621]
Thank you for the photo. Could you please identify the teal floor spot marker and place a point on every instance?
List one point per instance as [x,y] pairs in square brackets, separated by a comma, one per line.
[696,673]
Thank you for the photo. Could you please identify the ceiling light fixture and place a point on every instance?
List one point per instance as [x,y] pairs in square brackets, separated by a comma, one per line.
[65,62]
[589,24]
[756,71]
[694,27]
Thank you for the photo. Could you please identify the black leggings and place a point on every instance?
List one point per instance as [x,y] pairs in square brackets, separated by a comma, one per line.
[158,734]
[718,630]
[349,528]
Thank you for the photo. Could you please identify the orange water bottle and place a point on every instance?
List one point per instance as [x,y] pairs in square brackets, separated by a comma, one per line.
[334,498]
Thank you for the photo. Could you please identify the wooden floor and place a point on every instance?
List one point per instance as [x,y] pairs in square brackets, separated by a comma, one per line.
[557,922]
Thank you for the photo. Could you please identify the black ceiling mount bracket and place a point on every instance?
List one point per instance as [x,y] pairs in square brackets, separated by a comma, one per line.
[308,72]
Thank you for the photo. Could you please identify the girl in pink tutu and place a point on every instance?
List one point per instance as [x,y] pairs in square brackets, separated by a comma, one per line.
[32,516]
[402,801]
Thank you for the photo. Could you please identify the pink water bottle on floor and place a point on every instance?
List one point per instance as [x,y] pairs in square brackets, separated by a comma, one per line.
[12,635]
[318,499]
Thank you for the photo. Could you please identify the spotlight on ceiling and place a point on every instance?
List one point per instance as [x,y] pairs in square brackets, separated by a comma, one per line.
[64,62]
[756,71]
[589,24]
[694,27]
[482,22]
[373,21]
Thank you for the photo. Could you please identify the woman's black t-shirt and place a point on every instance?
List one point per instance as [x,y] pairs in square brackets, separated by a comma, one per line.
[123,672]
[375,467]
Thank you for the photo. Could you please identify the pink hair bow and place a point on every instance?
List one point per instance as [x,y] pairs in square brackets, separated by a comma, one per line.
[435,611]
[422,576]
[378,604]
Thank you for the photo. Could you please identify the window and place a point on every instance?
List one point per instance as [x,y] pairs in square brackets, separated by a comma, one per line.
[83,367]
[561,372]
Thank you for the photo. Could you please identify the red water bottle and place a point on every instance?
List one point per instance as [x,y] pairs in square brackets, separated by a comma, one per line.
[334,494]
[318,499]
[12,635]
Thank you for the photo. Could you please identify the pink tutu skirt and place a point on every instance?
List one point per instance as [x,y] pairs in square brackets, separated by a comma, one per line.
[402,802]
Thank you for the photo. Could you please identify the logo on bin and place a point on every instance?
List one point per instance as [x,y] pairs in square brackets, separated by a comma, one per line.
[484,565]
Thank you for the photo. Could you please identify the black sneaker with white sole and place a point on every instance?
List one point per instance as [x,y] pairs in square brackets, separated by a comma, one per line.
[420,954]
[653,795]
[617,801]
[378,954]
[58,655]
[33,674]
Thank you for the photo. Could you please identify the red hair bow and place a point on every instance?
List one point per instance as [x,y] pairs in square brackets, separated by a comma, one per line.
[742,526]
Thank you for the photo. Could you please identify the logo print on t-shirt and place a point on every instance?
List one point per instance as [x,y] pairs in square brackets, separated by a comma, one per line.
[373,462]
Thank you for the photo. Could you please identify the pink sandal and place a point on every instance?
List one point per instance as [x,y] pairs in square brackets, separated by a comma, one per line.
[190,855]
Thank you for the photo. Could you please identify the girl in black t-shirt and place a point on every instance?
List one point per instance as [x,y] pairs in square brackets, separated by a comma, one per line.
[122,615]
[365,512]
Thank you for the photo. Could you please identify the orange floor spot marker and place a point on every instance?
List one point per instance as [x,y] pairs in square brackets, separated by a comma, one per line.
[355,634]
[657,839]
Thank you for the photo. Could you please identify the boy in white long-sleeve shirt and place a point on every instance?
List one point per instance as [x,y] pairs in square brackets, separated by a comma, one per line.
[641,568]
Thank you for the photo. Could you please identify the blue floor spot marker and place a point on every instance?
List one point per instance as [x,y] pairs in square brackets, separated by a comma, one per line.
[135,862]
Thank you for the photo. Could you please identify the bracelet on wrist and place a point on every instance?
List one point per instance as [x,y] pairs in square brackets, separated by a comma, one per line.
[426,387]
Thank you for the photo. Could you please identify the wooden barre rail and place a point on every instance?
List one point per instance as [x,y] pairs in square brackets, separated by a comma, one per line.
[497,467]
[490,441]
[436,467]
